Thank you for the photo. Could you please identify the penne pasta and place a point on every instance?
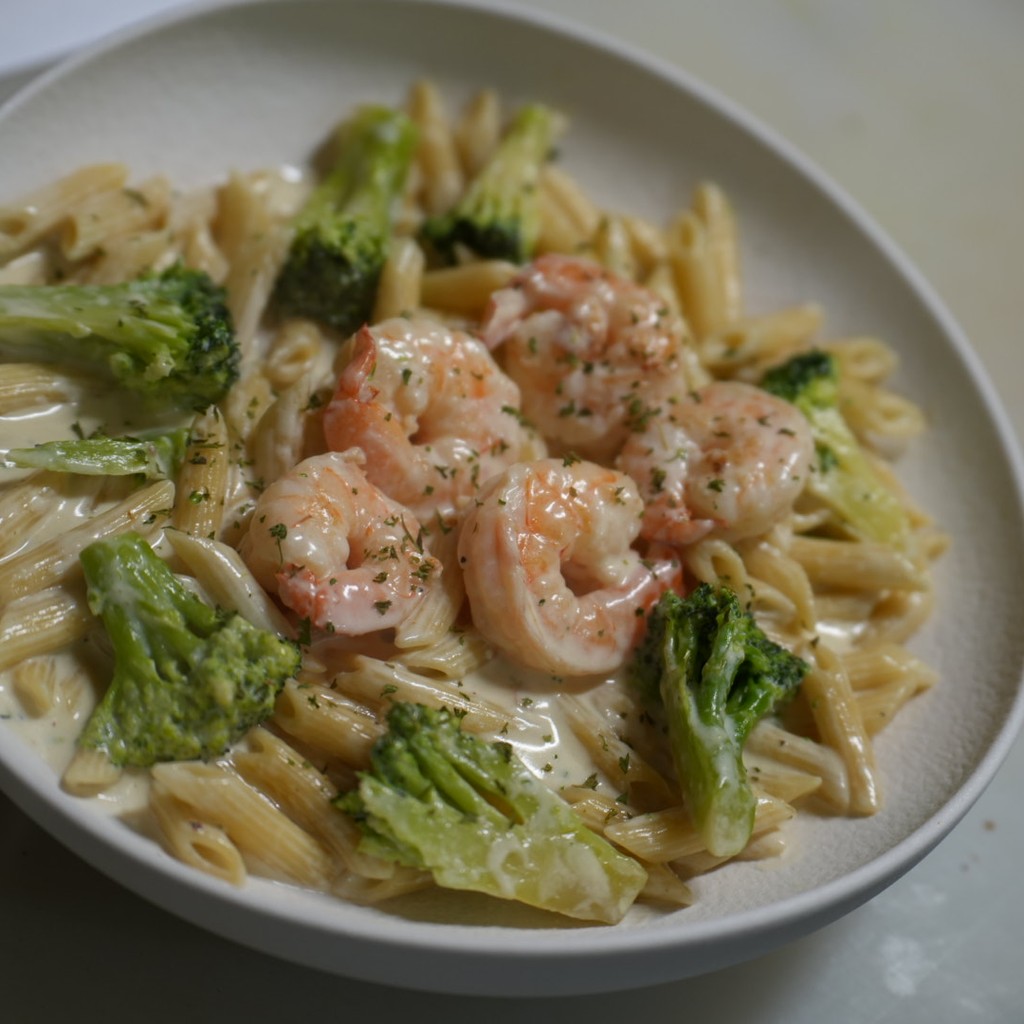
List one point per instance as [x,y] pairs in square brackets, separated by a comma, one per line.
[193,841]
[437,157]
[30,219]
[54,561]
[266,838]
[202,484]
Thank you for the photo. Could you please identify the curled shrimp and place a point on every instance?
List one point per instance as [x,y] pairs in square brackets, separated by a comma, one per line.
[573,592]
[727,458]
[336,550]
[586,347]
[433,412]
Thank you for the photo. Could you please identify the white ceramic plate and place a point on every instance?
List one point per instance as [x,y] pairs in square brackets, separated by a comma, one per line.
[257,85]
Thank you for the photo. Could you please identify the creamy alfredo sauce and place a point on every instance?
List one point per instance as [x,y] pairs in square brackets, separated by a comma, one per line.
[539,732]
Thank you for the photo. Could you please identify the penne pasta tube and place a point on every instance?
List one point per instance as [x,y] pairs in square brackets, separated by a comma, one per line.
[126,258]
[663,885]
[668,835]
[41,686]
[714,209]
[647,243]
[863,358]
[26,385]
[478,132]
[53,561]
[193,841]
[41,623]
[254,237]
[465,289]
[297,348]
[696,275]
[202,483]
[643,787]
[563,192]
[285,430]
[433,617]
[878,706]
[89,772]
[226,578]
[613,247]
[867,667]
[399,292]
[859,565]
[770,742]
[305,794]
[781,781]
[324,720]
[837,716]
[453,656]
[27,502]
[380,683]
[106,216]
[270,843]
[30,219]
[436,153]
[878,417]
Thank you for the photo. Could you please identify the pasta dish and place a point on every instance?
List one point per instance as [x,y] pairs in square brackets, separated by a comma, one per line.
[488,541]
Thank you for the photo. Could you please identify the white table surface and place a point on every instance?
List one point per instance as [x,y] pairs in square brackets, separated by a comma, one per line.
[915,108]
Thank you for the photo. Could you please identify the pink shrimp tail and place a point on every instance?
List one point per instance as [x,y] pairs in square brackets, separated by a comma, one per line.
[505,310]
[353,389]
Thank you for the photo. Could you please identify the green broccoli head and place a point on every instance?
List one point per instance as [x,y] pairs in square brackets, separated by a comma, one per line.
[843,478]
[498,217]
[707,664]
[152,454]
[472,814]
[167,337]
[343,233]
[188,679]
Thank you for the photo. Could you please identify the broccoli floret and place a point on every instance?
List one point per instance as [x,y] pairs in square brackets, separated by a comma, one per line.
[153,455]
[167,336]
[710,667]
[498,216]
[471,813]
[343,232]
[843,478]
[188,679]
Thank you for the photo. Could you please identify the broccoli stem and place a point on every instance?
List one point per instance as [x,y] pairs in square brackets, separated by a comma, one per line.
[706,744]
[153,455]
[167,337]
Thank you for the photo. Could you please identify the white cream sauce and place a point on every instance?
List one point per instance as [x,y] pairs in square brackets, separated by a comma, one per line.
[539,733]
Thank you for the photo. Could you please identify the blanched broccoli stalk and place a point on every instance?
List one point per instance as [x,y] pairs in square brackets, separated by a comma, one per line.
[711,668]
[498,217]
[165,336]
[843,478]
[153,454]
[188,679]
[471,813]
[343,232]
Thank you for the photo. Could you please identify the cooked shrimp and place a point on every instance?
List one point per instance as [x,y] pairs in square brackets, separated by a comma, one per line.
[728,457]
[586,347]
[434,414]
[550,573]
[337,551]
